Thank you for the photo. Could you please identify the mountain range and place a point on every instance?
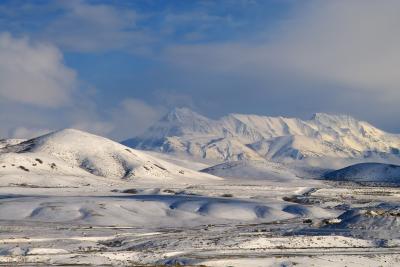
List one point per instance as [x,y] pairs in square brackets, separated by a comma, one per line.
[253,137]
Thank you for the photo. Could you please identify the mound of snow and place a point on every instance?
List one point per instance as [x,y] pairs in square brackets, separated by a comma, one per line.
[367,172]
[97,155]
[263,170]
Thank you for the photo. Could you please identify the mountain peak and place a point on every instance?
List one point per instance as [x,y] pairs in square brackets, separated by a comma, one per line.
[67,133]
[182,114]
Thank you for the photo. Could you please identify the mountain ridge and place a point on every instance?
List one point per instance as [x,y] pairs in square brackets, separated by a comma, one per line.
[271,138]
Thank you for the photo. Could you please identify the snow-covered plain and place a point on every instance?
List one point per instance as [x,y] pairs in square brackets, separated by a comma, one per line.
[73,198]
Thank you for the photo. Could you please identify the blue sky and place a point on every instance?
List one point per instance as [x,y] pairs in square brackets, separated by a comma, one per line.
[114,67]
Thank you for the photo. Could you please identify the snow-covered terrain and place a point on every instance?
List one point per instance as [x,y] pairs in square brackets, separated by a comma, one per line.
[382,220]
[367,172]
[152,210]
[254,137]
[74,198]
[75,153]
[185,225]
[8,142]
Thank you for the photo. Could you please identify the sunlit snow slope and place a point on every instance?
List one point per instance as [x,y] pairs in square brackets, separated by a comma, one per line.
[73,152]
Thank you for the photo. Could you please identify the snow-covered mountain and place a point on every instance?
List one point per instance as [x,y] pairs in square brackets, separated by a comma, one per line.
[76,153]
[254,137]
[367,172]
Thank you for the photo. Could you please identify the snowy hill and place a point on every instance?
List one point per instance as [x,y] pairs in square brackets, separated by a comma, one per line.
[254,137]
[10,142]
[256,170]
[367,172]
[76,153]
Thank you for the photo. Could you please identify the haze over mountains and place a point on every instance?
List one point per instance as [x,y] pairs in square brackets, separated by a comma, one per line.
[253,137]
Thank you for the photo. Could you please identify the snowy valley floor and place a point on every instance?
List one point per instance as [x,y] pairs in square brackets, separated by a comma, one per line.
[225,223]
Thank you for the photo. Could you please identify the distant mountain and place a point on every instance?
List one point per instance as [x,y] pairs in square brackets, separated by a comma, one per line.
[73,152]
[367,172]
[253,137]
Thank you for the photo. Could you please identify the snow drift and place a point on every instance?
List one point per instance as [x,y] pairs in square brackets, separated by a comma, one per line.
[151,210]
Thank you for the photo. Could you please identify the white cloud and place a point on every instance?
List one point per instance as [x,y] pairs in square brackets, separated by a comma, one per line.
[33,73]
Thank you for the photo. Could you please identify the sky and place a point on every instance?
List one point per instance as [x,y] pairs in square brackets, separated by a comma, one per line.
[115,67]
